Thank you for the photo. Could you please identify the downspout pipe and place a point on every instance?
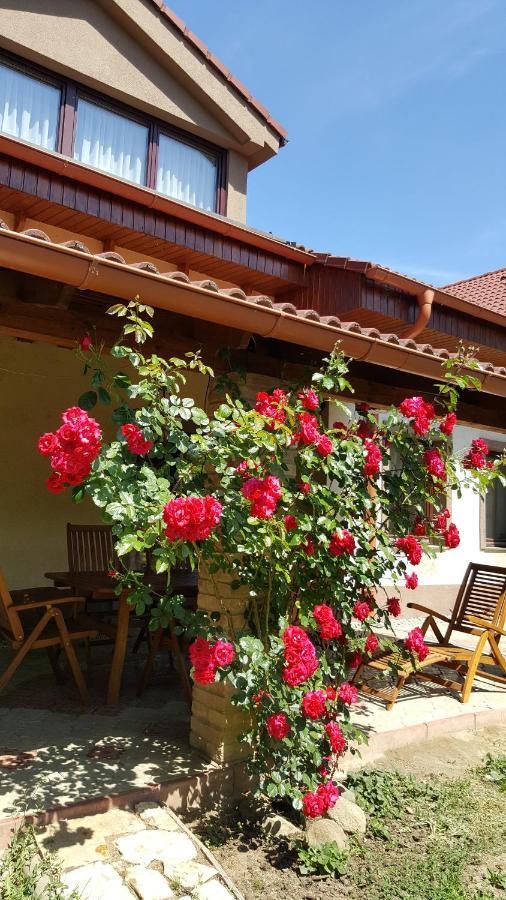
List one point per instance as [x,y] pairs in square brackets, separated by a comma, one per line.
[425,301]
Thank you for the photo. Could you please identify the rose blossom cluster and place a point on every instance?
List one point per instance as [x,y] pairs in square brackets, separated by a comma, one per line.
[415,643]
[361,610]
[328,626]
[72,448]
[314,704]
[451,536]
[410,546]
[207,657]
[411,580]
[277,726]
[476,455]
[272,406]
[341,542]
[191,518]
[373,458]
[435,464]
[264,495]
[309,433]
[316,803]
[309,399]
[301,660]
[136,442]
[394,606]
[422,413]
[336,738]
[447,424]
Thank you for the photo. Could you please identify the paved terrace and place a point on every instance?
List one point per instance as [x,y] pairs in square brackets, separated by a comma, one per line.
[53,754]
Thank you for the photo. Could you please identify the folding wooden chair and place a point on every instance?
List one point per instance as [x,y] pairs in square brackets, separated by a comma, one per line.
[480,611]
[52,633]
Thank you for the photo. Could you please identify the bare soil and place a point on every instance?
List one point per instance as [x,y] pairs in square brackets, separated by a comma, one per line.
[447,846]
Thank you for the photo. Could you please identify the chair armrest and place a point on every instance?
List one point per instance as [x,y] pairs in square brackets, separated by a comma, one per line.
[428,611]
[487,626]
[54,601]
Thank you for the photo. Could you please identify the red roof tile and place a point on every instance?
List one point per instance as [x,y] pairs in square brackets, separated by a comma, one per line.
[241,89]
[487,290]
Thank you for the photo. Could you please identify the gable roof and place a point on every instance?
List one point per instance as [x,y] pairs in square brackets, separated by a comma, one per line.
[213,60]
[487,291]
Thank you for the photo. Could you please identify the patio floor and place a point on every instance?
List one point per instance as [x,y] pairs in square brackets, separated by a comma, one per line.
[52,753]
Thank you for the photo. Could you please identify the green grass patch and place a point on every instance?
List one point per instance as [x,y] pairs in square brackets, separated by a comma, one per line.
[27,873]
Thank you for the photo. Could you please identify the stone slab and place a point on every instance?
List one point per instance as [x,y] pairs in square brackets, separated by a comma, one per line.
[84,840]
[189,875]
[148,884]
[169,847]
[155,815]
[98,881]
[212,890]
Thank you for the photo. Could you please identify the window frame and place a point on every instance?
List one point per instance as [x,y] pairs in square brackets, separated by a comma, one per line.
[31,70]
[498,447]
[70,93]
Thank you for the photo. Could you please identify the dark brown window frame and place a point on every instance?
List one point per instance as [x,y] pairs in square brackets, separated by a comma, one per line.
[71,91]
[495,447]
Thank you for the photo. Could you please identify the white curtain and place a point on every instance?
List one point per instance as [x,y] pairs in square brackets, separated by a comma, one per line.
[29,109]
[186,173]
[111,142]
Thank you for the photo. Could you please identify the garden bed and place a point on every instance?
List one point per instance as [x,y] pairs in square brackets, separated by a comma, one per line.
[436,831]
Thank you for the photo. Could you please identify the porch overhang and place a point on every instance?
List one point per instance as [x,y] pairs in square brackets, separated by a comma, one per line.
[108,274]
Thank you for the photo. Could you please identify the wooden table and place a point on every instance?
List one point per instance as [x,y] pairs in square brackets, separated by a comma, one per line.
[83,583]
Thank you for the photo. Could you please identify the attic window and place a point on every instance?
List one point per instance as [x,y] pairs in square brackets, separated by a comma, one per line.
[110,142]
[29,108]
[61,116]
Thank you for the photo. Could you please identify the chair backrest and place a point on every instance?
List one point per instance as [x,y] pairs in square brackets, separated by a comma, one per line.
[10,623]
[482,593]
[90,548]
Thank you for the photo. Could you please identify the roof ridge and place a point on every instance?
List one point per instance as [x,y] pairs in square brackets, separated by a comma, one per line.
[241,89]
[474,277]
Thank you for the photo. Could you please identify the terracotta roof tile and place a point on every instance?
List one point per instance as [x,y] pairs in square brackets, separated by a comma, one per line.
[221,68]
[487,290]
[237,293]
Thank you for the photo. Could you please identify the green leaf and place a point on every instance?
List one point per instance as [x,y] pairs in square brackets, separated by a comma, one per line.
[87,400]
[104,396]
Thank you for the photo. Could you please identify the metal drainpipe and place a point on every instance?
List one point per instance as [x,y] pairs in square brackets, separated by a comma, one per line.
[425,301]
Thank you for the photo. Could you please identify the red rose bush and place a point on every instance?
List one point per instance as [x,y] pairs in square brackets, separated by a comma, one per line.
[310,523]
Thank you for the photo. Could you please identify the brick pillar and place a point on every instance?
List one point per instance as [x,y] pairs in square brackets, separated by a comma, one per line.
[215,723]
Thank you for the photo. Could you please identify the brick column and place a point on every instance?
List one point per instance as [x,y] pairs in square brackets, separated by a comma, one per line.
[215,723]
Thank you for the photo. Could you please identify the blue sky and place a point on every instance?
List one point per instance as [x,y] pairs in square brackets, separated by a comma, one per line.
[396,116]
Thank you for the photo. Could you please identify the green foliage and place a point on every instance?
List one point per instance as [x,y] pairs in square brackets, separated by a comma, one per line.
[494,770]
[325,859]
[384,793]
[25,871]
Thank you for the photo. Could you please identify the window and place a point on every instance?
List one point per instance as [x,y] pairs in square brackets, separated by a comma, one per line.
[29,108]
[493,513]
[111,142]
[186,173]
[59,115]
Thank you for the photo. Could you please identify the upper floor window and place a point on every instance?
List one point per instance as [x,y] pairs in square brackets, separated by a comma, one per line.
[186,173]
[29,108]
[57,114]
[111,142]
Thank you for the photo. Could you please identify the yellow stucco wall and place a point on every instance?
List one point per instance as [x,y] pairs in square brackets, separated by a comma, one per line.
[37,382]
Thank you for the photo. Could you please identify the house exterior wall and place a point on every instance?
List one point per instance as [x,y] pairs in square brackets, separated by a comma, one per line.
[124,50]
[37,382]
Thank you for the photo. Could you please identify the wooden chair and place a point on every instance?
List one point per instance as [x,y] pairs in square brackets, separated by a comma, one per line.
[479,611]
[52,632]
[183,581]
[90,548]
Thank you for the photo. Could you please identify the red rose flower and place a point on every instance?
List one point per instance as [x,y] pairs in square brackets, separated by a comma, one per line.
[336,737]
[371,644]
[373,458]
[263,494]
[329,794]
[435,464]
[191,518]
[355,660]
[361,610]
[271,406]
[312,805]
[223,653]
[341,542]
[277,726]
[394,606]
[136,441]
[309,547]
[324,445]
[314,704]
[304,487]
[290,523]
[328,625]
[72,448]
[411,580]
[410,546]
[415,643]
[420,411]
[452,536]
[309,399]
[85,343]
[447,424]
[347,693]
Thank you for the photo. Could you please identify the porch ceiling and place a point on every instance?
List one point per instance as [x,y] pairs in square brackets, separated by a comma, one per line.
[108,274]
